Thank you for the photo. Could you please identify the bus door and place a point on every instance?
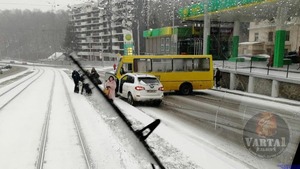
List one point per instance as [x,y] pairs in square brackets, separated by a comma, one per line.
[126,68]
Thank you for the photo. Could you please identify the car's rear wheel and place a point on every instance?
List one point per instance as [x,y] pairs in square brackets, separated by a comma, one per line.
[186,89]
[131,100]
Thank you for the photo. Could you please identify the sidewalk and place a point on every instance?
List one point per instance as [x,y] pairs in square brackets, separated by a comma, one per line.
[283,82]
[286,73]
[257,96]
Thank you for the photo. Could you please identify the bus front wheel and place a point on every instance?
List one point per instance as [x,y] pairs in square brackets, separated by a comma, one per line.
[186,89]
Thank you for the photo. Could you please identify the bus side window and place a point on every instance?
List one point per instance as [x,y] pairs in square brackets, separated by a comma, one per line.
[178,65]
[126,68]
[122,70]
[201,64]
[129,67]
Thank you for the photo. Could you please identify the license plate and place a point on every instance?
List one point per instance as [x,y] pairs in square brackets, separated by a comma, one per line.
[151,91]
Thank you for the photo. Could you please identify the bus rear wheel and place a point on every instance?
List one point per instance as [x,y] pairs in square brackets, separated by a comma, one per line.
[186,89]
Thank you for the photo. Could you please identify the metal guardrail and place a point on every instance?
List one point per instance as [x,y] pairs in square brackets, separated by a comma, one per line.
[259,65]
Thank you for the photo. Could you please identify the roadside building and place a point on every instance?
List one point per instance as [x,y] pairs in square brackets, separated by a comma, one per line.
[262,37]
[102,30]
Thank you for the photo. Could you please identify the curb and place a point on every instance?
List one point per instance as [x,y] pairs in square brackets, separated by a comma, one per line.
[258,97]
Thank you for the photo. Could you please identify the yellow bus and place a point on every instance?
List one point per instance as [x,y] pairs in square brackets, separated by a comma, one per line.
[180,73]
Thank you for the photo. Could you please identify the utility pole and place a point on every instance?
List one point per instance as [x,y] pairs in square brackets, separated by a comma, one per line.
[53,5]
[174,41]
[138,34]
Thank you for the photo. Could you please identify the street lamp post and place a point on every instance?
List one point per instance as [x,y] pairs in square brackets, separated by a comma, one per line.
[174,38]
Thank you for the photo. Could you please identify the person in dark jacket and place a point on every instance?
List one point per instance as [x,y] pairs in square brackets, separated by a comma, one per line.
[95,76]
[218,77]
[76,78]
[85,85]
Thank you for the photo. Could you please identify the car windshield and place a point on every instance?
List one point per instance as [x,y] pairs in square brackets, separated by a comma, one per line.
[148,80]
[122,84]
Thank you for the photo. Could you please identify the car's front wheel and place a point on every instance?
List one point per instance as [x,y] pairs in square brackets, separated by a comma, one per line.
[131,100]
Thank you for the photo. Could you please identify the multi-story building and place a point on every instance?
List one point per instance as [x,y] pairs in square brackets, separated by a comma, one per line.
[262,37]
[103,29]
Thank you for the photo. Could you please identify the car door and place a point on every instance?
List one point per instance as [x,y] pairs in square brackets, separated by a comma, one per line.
[121,85]
[128,85]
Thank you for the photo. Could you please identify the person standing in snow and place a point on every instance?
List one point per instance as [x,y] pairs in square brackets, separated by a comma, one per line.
[110,85]
[218,77]
[114,66]
[76,78]
[95,76]
[85,85]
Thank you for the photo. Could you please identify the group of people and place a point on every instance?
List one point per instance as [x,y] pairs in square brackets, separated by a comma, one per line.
[80,80]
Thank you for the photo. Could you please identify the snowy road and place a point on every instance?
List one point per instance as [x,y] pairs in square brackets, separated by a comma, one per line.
[43,124]
[208,128]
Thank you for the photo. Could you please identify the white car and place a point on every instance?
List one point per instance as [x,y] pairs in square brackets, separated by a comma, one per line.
[141,88]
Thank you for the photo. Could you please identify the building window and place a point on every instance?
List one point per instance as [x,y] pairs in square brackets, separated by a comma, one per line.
[256,37]
[269,51]
[270,37]
[162,45]
[287,36]
[167,45]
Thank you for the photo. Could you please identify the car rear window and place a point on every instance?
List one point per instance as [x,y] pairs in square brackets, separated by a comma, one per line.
[148,80]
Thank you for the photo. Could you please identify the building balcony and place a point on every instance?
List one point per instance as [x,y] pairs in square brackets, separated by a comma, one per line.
[81,30]
[116,40]
[105,41]
[116,25]
[116,48]
[80,18]
[96,53]
[95,34]
[103,20]
[97,47]
[96,21]
[116,33]
[106,34]
[81,36]
[82,41]
[95,28]
[84,53]
[84,47]
[96,40]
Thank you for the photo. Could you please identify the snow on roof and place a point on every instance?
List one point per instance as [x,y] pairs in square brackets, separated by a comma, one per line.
[250,43]
[57,56]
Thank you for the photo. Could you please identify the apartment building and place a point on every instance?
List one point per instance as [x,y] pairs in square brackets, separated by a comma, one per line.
[103,29]
[262,37]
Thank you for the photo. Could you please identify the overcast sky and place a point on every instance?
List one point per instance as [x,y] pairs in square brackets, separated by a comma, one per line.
[44,5]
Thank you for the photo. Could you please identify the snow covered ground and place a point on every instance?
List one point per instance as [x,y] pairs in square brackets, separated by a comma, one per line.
[46,124]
